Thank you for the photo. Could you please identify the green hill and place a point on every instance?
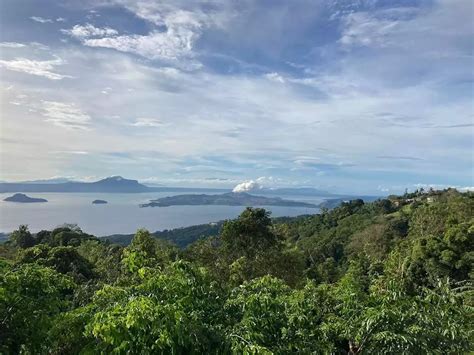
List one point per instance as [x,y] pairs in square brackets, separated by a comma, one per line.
[393,276]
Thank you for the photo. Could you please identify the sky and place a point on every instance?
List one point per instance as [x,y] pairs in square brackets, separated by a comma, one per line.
[361,96]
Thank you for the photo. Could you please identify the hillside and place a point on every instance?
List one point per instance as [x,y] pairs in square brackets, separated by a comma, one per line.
[182,237]
[390,276]
[185,236]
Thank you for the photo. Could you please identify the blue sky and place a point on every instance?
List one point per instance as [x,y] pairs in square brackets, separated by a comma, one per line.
[362,96]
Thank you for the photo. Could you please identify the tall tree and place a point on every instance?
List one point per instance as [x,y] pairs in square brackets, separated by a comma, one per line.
[22,237]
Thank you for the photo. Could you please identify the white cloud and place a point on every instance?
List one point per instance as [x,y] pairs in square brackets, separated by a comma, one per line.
[253,125]
[363,29]
[39,46]
[42,68]
[268,180]
[156,45]
[440,31]
[182,30]
[11,45]
[159,12]
[147,122]
[41,19]
[275,77]
[65,115]
[73,152]
[15,45]
[88,30]
[247,186]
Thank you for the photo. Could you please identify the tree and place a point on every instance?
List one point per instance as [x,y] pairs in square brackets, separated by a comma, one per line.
[175,311]
[249,235]
[256,314]
[30,297]
[266,316]
[105,258]
[377,315]
[437,257]
[22,237]
[145,251]
[379,282]
[65,260]
[68,234]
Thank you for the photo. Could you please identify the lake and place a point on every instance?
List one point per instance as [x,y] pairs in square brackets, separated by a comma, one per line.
[121,215]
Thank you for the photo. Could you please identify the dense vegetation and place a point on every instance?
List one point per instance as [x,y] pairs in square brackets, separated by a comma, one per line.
[392,276]
[182,237]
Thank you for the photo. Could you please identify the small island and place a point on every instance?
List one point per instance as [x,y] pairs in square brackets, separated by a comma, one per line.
[226,199]
[99,202]
[22,198]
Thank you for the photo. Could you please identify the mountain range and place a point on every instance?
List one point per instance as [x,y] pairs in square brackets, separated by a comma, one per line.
[118,184]
[113,184]
[110,184]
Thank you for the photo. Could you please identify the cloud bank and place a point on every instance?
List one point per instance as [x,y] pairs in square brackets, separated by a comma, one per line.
[247,186]
[44,68]
[340,95]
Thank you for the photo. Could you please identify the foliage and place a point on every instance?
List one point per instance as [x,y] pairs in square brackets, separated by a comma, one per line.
[182,237]
[145,251]
[249,235]
[176,311]
[30,296]
[22,237]
[65,260]
[388,277]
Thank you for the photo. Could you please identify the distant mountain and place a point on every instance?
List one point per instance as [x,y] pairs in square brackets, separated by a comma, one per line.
[22,198]
[59,180]
[118,184]
[110,184]
[113,184]
[226,199]
[186,189]
[296,191]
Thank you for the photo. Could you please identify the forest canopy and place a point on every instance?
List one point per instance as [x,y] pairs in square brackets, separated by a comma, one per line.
[390,276]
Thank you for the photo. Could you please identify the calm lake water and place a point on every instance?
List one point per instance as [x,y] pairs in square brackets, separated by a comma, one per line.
[121,214]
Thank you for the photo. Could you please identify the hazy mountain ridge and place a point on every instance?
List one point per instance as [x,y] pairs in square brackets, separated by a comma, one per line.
[226,199]
[113,184]
[118,184]
[296,191]
[58,180]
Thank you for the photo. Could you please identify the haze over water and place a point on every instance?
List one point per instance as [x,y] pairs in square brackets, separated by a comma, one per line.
[122,214]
